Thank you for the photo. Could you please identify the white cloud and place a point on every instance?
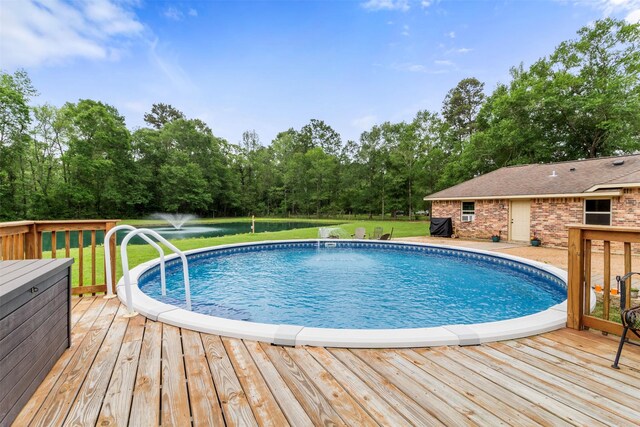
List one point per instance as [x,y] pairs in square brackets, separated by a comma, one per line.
[402,5]
[451,34]
[405,31]
[629,8]
[36,32]
[425,3]
[443,62]
[364,123]
[137,107]
[173,13]
[463,50]
[415,68]
[176,75]
[633,17]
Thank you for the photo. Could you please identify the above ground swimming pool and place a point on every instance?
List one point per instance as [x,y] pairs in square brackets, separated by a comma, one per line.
[356,294]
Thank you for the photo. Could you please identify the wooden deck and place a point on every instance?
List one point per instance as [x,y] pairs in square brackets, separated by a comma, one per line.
[122,371]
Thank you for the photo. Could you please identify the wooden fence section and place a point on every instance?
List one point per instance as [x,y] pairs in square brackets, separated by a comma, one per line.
[582,240]
[24,240]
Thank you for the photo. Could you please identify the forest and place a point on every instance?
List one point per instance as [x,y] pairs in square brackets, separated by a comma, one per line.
[79,160]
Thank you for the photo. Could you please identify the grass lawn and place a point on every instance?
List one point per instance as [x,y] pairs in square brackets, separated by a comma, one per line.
[141,253]
[614,308]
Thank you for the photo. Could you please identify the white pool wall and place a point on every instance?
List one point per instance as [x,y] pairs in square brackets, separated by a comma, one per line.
[550,319]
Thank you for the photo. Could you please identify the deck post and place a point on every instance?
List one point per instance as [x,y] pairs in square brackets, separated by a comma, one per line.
[31,242]
[111,245]
[575,284]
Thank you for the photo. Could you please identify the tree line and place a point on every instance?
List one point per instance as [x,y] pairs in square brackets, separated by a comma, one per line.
[80,160]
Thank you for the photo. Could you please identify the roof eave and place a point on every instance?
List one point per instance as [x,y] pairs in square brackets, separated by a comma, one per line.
[604,186]
[600,194]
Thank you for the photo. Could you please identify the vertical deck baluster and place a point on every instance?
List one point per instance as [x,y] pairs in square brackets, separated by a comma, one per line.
[67,243]
[21,238]
[80,258]
[6,247]
[606,300]
[627,269]
[10,247]
[14,246]
[587,276]
[111,247]
[93,257]
[53,244]
[39,244]
[1,248]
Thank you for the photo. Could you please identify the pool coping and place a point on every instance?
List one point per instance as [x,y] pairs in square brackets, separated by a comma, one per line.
[553,318]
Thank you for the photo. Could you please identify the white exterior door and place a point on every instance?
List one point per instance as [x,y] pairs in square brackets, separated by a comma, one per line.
[520,220]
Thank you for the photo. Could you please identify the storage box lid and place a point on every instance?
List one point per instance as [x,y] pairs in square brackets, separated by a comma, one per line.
[15,275]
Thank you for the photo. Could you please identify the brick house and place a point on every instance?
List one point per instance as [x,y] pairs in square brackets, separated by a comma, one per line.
[541,199]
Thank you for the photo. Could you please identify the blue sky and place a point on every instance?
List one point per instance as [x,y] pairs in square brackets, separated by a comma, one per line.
[271,65]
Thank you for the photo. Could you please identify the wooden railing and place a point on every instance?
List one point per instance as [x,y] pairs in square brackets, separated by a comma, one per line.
[21,240]
[584,242]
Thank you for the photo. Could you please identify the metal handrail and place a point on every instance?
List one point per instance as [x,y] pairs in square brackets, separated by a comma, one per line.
[107,259]
[125,265]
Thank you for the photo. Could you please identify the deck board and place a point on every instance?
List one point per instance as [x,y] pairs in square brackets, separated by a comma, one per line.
[145,406]
[117,401]
[450,413]
[233,399]
[265,406]
[86,407]
[57,405]
[205,406]
[346,406]
[175,400]
[121,371]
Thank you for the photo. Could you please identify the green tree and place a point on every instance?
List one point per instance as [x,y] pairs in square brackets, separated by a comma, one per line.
[47,166]
[460,110]
[182,185]
[161,114]
[371,164]
[582,101]
[16,91]
[589,90]
[102,175]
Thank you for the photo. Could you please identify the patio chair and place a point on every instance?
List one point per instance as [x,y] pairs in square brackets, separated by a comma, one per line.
[377,232]
[387,236]
[630,316]
[360,233]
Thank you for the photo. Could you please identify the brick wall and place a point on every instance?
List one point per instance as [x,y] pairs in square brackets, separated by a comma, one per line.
[492,216]
[549,217]
[626,209]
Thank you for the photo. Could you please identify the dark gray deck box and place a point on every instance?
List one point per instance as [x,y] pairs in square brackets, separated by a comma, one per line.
[35,327]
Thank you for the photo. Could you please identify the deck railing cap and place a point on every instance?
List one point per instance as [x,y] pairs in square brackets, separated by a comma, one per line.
[604,228]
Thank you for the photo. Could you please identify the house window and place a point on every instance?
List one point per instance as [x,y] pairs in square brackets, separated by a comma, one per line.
[597,212]
[468,211]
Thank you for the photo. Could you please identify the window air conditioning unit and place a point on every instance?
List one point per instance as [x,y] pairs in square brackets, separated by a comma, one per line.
[467,218]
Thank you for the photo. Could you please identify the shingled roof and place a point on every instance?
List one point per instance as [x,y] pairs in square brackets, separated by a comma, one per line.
[550,179]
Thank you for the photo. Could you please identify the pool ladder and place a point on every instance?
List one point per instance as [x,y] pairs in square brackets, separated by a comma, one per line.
[144,233]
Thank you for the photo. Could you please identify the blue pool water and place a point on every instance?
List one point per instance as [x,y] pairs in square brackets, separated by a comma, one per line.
[351,286]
